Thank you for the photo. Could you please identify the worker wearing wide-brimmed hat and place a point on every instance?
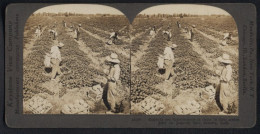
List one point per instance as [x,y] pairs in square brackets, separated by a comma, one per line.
[225,93]
[113,80]
[169,60]
[56,58]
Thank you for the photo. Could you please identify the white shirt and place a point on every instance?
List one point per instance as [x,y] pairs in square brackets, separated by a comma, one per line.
[226,35]
[114,72]
[113,34]
[55,53]
[168,54]
[226,74]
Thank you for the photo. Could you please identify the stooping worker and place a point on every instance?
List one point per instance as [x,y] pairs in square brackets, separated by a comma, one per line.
[56,58]
[227,38]
[225,92]
[167,35]
[53,33]
[113,81]
[113,37]
[169,60]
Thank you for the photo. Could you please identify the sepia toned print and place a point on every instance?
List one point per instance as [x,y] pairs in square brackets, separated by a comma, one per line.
[89,59]
[184,61]
[76,61]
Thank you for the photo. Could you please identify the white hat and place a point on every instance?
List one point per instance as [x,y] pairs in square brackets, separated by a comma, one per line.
[61,44]
[173,46]
[80,25]
[113,58]
[225,59]
[193,26]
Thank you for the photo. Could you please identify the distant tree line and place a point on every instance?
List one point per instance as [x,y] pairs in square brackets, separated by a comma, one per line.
[70,14]
[173,15]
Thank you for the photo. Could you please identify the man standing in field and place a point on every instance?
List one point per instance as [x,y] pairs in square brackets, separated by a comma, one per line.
[113,81]
[56,58]
[169,60]
[192,33]
[178,24]
[152,32]
[226,92]
[64,23]
[38,32]
[77,31]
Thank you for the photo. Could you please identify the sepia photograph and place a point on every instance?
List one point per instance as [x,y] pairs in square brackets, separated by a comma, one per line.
[184,61]
[174,59]
[76,60]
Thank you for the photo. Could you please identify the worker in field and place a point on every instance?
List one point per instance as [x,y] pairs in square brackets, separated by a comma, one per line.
[55,34]
[37,32]
[178,24]
[167,33]
[192,32]
[40,28]
[113,38]
[152,32]
[64,23]
[191,35]
[227,38]
[186,29]
[169,61]
[226,91]
[77,31]
[113,81]
[56,58]
[154,28]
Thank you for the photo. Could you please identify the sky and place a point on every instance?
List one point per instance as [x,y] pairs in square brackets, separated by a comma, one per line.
[162,9]
[80,8]
[185,8]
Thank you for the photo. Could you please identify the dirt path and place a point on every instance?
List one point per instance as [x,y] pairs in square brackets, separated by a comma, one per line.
[228,49]
[112,48]
[138,35]
[28,46]
[92,55]
[142,50]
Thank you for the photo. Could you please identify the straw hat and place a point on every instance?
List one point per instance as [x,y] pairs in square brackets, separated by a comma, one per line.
[113,58]
[193,26]
[173,46]
[60,44]
[79,25]
[225,59]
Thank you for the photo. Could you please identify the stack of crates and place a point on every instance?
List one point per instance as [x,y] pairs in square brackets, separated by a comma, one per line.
[78,107]
[95,93]
[38,105]
[150,106]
